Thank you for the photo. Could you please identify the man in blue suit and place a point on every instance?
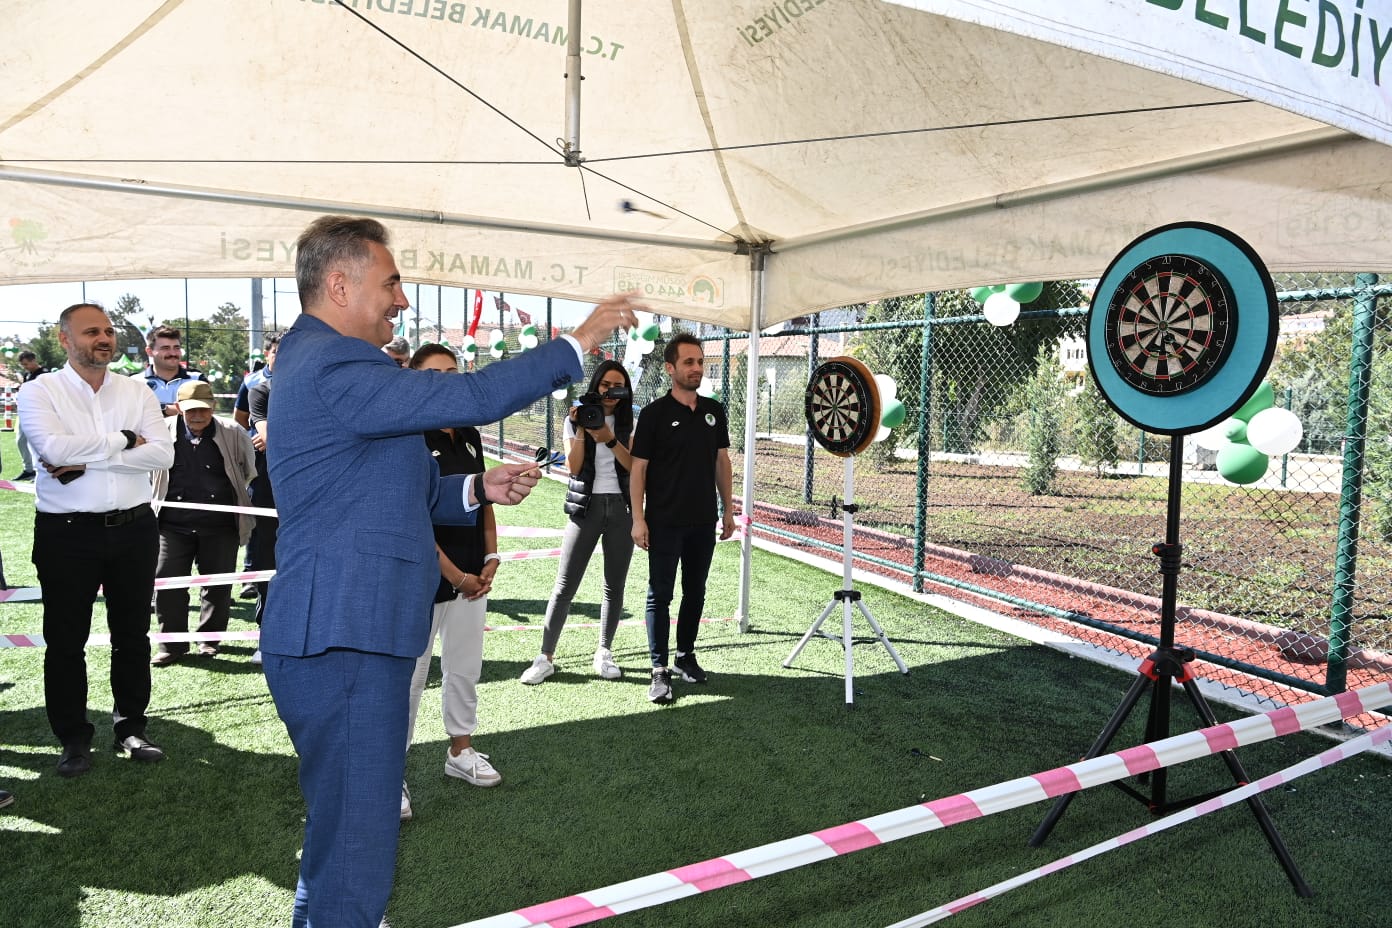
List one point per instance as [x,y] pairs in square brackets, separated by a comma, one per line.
[356,490]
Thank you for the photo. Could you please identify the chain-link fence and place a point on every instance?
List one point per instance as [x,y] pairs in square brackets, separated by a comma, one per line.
[1013,483]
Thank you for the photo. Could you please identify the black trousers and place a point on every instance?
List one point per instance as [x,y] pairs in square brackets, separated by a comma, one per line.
[74,554]
[261,547]
[216,553]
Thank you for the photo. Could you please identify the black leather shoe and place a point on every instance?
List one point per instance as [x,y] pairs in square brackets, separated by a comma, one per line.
[139,749]
[76,760]
[6,798]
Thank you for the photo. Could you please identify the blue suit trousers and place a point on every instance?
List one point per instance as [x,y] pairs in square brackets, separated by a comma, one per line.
[352,761]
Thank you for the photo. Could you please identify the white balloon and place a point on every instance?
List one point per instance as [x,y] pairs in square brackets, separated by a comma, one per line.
[1001,309]
[646,347]
[1214,437]
[1275,431]
[527,341]
[881,434]
[887,388]
[559,394]
[496,351]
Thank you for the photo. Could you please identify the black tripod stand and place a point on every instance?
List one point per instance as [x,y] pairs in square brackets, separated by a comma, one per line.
[1169,664]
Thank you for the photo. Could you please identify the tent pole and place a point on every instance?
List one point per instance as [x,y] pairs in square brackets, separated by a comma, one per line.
[572,85]
[751,425]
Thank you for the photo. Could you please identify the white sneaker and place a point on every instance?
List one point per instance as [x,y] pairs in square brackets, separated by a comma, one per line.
[472,767]
[604,665]
[256,657]
[406,812]
[541,669]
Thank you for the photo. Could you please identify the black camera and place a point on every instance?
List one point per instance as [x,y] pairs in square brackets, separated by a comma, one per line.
[590,413]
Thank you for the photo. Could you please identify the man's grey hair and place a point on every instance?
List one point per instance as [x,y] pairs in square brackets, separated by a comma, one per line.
[331,240]
[398,345]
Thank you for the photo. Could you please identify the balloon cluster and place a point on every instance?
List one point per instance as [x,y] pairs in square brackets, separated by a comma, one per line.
[642,338]
[1001,302]
[468,349]
[497,345]
[1254,434]
[892,411]
[528,337]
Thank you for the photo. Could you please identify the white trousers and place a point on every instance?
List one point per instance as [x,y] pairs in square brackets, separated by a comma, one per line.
[459,625]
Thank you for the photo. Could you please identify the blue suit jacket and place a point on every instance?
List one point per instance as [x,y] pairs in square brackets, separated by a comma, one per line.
[357,490]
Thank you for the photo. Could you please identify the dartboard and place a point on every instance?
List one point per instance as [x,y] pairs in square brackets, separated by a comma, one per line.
[1182,328]
[843,406]
[1170,325]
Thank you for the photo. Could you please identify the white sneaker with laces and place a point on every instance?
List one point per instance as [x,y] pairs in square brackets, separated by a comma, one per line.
[541,669]
[406,812]
[604,664]
[472,767]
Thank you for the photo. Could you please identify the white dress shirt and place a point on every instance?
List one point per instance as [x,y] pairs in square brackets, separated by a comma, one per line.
[67,422]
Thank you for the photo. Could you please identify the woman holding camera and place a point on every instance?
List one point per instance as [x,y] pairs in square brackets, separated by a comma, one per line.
[597,502]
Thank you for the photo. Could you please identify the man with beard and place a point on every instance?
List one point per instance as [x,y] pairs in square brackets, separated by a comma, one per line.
[680,460]
[98,532]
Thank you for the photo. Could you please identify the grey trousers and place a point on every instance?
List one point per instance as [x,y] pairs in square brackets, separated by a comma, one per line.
[606,517]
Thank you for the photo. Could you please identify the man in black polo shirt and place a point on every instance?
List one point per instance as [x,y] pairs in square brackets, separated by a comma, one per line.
[680,455]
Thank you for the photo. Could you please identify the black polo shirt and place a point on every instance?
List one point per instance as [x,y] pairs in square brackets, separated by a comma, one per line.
[462,544]
[680,444]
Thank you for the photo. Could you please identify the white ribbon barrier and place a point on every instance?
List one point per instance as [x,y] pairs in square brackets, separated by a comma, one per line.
[690,880]
[1232,797]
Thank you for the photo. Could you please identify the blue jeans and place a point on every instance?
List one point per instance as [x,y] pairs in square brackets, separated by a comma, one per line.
[690,547]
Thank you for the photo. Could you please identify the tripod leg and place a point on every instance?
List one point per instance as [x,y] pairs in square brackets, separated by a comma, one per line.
[1259,810]
[847,641]
[1118,718]
[810,632]
[879,633]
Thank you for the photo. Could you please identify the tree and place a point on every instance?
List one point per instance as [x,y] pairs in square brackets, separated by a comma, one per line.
[217,346]
[1096,432]
[1045,395]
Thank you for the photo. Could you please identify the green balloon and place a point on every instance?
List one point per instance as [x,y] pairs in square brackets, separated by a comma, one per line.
[1240,463]
[980,293]
[1264,398]
[650,332]
[892,416]
[1025,293]
[1237,431]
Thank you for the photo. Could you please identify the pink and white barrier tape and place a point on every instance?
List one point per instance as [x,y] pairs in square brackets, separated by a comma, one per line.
[751,864]
[1232,797]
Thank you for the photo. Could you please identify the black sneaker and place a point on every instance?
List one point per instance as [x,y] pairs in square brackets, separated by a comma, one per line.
[690,671]
[661,689]
[25,475]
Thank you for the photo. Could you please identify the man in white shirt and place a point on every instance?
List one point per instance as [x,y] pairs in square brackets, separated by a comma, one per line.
[98,437]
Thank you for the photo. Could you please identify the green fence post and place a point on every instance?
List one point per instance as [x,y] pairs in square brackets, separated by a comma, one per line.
[1285,458]
[925,403]
[1351,492]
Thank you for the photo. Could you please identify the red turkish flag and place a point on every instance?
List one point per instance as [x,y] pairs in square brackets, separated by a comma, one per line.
[478,312]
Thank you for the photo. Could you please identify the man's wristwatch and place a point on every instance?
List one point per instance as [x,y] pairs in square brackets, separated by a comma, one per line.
[611,443]
[479,493]
[131,438]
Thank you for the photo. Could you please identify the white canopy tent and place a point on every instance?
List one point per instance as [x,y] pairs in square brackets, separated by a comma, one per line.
[739,161]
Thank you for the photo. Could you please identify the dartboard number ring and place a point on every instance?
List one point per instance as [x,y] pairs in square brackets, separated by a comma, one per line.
[1170,324]
[843,406]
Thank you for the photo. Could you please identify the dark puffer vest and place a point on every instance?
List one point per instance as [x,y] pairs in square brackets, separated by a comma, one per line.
[578,488]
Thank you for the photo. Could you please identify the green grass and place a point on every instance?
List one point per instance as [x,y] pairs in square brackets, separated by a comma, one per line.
[600,786]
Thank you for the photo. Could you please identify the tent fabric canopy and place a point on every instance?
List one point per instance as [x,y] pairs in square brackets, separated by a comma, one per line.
[738,162]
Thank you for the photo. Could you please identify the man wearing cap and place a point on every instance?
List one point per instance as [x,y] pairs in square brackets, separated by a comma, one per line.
[97,437]
[213,463]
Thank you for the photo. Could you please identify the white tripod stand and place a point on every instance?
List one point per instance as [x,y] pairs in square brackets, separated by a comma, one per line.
[848,596]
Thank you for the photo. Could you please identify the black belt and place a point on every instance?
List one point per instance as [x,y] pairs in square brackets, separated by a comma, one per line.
[105,519]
